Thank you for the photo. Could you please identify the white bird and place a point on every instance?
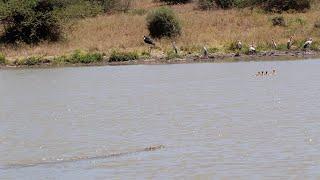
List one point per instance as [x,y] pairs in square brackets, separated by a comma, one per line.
[239,45]
[289,43]
[307,44]
[205,52]
[252,49]
[274,44]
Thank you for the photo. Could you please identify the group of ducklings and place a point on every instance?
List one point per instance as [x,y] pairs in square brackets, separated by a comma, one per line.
[266,73]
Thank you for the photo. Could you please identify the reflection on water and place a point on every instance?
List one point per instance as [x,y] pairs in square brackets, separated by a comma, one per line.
[215,120]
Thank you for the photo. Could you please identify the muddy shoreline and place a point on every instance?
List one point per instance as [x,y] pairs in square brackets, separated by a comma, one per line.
[188,59]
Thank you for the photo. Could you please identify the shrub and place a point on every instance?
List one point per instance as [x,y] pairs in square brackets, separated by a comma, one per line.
[278,21]
[213,4]
[29,61]
[123,56]
[172,55]
[118,5]
[285,5]
[175,1]
[224,4]
[163,23]
[244,3]
[29,21]
[206,4]
[2,59]
[79,57]
[79,9]
[84,58]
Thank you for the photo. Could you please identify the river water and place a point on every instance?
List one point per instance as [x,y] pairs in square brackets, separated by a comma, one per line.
[202,121]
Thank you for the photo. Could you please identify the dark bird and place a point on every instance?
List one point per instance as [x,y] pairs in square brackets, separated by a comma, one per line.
[307,44]
[148,40]
[289,43]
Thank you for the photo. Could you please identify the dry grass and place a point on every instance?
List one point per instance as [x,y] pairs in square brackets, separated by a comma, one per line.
[212,28]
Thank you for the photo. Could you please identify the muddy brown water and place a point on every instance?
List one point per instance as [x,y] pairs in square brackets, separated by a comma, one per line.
[194,121]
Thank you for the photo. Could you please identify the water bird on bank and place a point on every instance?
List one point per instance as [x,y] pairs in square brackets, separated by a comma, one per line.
[274,44]
[290,43]
[307,44]
[205,52]
[239,45]
[148,40]
[175,47]
[252,49]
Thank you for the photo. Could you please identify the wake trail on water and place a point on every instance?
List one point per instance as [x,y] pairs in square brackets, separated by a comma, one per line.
[82,158]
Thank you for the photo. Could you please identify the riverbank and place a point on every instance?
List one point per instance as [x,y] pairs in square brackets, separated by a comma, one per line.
[215,29]
[99,59]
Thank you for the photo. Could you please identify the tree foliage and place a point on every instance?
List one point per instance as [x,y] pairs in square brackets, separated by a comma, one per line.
[163,23]
[29,21]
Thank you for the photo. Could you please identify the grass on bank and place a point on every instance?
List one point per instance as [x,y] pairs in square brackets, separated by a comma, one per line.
[2,59]
[78,57]
[83,57]
[215,29]
[123,56]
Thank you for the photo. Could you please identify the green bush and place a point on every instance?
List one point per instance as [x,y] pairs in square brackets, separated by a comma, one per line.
[79,57]
[84,57]
[163,22]
[285,5]
[79,9]
[2,59]
[123,56]
[29,21]
[268,5]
